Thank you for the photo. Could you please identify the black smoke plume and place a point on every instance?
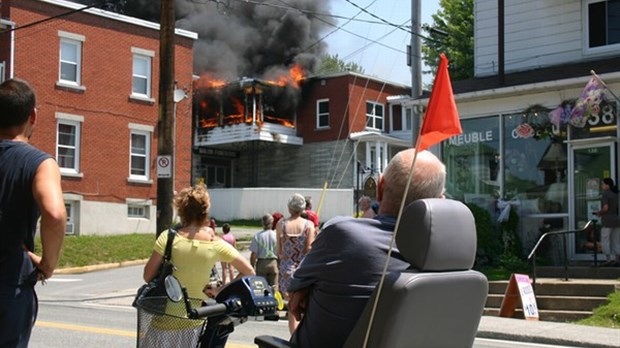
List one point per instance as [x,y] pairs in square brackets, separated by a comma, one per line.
[236,38]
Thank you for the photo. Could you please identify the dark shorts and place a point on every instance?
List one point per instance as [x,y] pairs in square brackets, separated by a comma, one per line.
[18,312]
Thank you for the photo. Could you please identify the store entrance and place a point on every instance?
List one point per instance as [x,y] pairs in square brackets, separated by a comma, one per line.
[590,161]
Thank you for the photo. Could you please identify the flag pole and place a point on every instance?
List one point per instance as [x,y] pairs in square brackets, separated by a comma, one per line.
[389,254]
[318,209]
[604,84]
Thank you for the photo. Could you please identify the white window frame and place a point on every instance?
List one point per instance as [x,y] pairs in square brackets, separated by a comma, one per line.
[613,48]
[147,57]
[77,41]
[407,118]
[76,122]
[70,206]
[322,115]
[373,117]
[147,132]
[138,208]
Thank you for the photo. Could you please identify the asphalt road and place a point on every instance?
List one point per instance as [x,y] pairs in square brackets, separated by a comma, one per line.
[94,310]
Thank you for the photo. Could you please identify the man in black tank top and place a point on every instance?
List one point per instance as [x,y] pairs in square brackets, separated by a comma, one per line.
[29,189]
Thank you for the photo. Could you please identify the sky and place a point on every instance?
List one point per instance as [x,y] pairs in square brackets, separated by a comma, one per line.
[387,59]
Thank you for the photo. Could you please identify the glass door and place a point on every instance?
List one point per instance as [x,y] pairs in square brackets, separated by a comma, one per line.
[590,164]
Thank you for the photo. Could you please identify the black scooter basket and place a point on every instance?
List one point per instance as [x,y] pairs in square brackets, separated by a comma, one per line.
[163,323]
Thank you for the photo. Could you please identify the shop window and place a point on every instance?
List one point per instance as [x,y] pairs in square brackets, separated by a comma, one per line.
[535,162]
[472,163]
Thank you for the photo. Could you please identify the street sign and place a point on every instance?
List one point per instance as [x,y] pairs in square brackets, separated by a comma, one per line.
[164,166]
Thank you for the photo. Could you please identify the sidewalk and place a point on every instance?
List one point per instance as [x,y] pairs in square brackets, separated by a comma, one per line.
[520,330]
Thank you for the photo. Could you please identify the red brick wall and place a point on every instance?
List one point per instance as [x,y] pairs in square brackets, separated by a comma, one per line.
[105,103]
[347,96]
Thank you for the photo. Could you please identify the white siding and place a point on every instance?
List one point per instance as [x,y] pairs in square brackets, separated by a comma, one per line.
[537,34]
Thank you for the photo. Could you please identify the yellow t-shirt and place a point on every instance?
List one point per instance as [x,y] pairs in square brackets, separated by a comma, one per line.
[194,259]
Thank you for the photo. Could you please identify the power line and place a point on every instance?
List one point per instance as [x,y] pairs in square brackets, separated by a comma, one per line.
[94,4]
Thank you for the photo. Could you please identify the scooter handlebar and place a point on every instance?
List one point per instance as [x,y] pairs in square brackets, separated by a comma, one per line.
[216,309]
[209,311]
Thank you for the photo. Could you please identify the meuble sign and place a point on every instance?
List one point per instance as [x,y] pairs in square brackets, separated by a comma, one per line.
[471,138]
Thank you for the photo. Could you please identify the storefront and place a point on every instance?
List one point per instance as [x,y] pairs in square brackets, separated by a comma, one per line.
[536,158]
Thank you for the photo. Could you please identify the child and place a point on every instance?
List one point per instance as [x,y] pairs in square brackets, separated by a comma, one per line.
[227,269]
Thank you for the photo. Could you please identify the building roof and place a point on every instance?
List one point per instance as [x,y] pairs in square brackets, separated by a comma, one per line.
[378,136]
[118,17]
[356,74]
[558,72]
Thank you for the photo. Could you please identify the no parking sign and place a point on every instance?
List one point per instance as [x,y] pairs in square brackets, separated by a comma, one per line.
[164,166]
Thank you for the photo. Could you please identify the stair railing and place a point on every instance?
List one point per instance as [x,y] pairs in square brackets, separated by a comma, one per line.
[532,255]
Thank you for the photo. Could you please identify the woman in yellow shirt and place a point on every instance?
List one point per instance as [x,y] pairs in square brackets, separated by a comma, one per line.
[195,248]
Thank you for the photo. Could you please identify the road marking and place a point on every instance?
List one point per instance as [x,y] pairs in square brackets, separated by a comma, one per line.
[81,328]
[124,333]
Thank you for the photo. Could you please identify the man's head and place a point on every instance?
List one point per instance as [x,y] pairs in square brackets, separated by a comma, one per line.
[308,202]
[17,103]
[364,203]
[428,180]
[267,221]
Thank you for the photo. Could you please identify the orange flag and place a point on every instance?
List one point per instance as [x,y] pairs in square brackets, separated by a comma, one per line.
[442,117]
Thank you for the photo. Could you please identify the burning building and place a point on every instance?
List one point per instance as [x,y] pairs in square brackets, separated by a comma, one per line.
[245,114]
[250,108]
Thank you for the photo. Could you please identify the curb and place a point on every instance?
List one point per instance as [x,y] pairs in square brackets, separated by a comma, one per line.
[99,267]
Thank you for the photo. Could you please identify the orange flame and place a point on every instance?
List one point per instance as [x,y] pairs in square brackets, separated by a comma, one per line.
[295,76]
[205,81]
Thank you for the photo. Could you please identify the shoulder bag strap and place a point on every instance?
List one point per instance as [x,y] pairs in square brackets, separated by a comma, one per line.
[168,252]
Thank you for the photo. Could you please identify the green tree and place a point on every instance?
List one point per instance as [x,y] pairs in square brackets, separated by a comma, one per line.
[452,33]
[333,64]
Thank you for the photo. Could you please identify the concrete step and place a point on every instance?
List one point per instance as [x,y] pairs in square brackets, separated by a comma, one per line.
[578,271]
[546,315]
[557,299]
[580,303]
[560,287]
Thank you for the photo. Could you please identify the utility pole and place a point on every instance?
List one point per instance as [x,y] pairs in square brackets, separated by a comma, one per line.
[416,65]
[165,120]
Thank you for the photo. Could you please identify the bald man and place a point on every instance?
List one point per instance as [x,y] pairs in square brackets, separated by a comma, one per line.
[329,290]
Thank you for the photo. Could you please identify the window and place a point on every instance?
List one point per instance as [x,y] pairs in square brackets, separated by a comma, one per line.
[141,73]
[70,227]
[140,154]
[137,211]
[70,71]
[376,155]
[603,23]
[322,113]
[408,119]
[68,143]
[374,115]
[216,176]
[2,69]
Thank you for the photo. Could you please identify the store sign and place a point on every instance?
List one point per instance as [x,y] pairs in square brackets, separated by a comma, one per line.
[471,138]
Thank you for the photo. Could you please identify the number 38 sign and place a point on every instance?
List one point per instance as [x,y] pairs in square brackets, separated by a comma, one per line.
[605,117]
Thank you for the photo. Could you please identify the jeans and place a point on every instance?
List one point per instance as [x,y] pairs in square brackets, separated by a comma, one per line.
[18,312]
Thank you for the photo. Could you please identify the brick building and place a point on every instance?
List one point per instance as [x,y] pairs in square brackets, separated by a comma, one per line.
[96,77]
[341,129]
